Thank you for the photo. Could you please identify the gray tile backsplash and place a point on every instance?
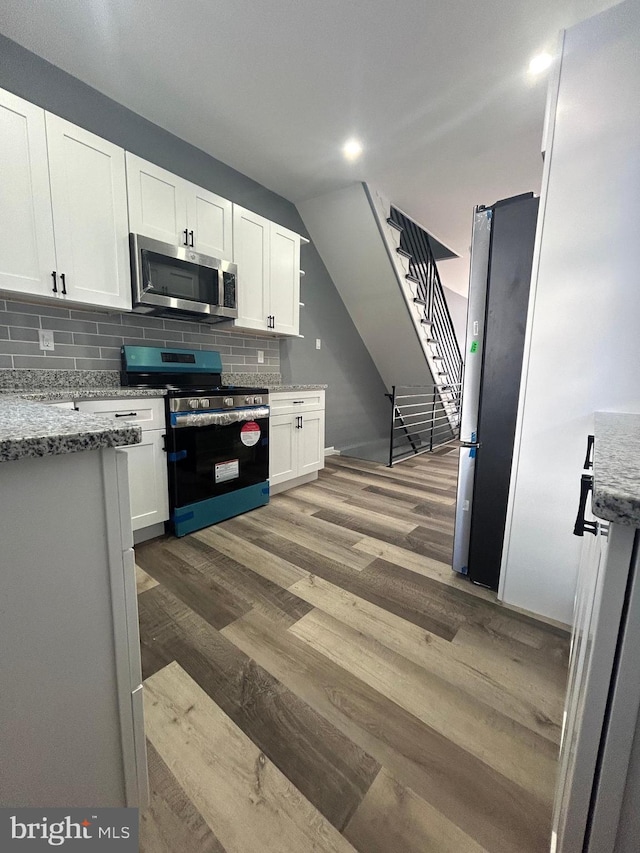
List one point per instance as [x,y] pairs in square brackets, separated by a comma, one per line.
[91,340]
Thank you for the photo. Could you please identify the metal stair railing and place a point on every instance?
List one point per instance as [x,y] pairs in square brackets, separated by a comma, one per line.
[425,416]
[423,272]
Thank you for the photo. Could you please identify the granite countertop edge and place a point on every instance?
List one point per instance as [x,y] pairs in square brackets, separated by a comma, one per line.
[29,428]
[616,468]
[277,388]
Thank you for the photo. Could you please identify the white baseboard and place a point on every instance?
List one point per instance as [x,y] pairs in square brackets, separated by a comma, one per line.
[291,484]
[331,451]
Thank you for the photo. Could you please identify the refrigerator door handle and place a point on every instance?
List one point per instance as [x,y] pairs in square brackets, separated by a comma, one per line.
[586,485]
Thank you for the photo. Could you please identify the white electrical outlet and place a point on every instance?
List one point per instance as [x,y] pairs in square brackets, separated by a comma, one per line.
[260,357]
[318,343]
[45,337]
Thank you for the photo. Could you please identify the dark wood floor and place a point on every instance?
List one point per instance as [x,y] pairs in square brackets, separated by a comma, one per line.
[317,679]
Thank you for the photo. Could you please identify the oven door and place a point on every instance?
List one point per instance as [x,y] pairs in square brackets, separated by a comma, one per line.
[170,279]
[220,466]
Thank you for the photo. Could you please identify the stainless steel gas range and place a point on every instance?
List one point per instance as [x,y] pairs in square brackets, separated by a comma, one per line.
[217,436]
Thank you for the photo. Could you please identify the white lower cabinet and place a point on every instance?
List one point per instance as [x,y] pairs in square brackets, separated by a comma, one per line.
[148,480]
[148,487]
[296,438]
[311,442]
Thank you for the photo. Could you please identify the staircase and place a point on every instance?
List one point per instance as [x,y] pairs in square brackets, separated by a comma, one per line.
[384,268]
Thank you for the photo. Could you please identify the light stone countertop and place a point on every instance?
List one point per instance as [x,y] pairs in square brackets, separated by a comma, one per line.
[29,427]
[32,429]
[275,388]
[616,468]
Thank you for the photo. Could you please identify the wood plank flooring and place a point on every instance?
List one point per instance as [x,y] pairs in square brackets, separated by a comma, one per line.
[317,679]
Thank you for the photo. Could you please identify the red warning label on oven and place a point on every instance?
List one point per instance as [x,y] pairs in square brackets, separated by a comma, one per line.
[250,433]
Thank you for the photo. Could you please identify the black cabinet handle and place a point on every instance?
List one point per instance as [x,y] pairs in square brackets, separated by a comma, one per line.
[579,528]
[299,422]
[191,236]
[54,276]
[127,415]
[186,237]
[64,284]
[588,459]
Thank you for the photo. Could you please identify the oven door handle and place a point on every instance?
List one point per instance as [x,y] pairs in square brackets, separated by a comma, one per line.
[180,420]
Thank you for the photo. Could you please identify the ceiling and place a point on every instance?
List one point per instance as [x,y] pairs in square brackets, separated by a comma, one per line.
[438,92]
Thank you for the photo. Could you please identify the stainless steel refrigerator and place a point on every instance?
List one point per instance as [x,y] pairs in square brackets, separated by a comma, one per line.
[501,260]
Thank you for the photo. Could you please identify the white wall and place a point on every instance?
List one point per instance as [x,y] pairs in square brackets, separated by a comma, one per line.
[457,305]
[583,345]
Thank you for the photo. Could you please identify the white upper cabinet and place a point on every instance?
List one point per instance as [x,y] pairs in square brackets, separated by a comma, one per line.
[284,280]
[268,259]
[164,207]
[27,252]
[157,202]
[251,253]
[209,219]
[89,201]
[63,209]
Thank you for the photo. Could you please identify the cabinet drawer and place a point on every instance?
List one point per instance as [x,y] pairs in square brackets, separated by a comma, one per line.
[291,402]
[147,412]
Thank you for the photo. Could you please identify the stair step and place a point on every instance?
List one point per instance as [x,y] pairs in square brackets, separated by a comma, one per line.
[412,278]
[426,322]
[394,224]
[403,253]
[419,301]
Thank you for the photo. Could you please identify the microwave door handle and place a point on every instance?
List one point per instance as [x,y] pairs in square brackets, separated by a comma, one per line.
[146,275]
[220,287]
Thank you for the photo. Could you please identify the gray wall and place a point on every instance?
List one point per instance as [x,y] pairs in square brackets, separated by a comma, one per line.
[356,408]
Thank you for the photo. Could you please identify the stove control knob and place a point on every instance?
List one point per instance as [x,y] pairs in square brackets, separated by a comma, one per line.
[249,400]
[204,403]
[228,402]
[257,401]
[193,404]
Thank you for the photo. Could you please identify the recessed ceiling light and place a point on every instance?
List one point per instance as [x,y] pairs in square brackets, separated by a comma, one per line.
[540,63]
[352,149]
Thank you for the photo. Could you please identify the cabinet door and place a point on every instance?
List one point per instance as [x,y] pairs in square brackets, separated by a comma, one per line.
[148,489]
[311,443]
[283,449]
[27,254]
[251,254]
[284,279]
[157,202]
[210,218]
[89,199]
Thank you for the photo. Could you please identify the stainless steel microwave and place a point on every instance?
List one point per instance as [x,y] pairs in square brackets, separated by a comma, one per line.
[176,281]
